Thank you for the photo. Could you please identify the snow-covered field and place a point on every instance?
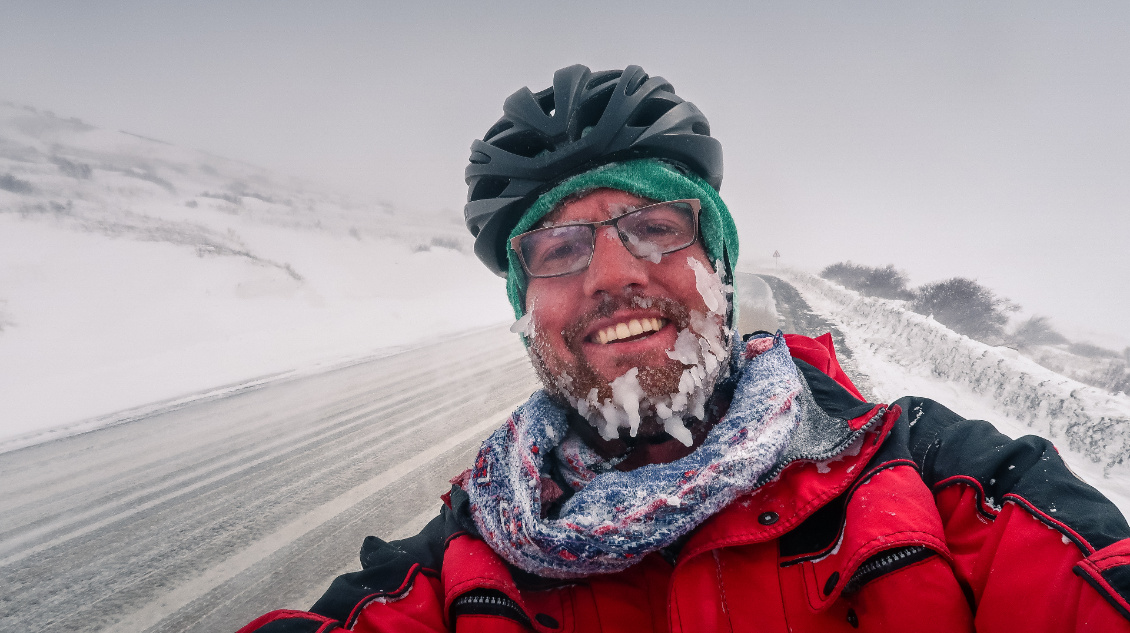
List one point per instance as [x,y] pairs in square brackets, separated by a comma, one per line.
[905,353]
[134,273]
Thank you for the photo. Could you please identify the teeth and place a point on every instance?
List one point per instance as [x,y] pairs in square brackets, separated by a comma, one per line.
[631,328]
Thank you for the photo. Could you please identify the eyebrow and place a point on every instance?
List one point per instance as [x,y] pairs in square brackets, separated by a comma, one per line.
[546,223]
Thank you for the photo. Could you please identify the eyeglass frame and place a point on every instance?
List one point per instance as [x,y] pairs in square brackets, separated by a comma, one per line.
[694,203]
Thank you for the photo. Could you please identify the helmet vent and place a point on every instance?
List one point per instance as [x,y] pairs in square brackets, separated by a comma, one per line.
[649,112]
[590,112]
[632,87]
[525,143]
[489,187]
[581,120]
[603,78]
[498,128]
[546,101]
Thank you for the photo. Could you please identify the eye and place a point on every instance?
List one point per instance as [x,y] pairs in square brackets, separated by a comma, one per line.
[558,251]
[666,226]
[659,228]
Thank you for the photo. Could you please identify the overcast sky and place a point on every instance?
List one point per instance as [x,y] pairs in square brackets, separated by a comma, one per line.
[982,139]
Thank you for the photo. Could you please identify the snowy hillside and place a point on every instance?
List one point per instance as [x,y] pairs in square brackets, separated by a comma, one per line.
[905,353]
[133,271]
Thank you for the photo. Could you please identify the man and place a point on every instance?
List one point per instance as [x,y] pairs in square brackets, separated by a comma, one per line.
[673,476]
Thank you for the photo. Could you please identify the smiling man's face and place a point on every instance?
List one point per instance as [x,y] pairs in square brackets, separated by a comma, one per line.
[620,313]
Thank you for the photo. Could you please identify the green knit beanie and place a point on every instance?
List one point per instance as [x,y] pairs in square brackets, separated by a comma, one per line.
[647,178]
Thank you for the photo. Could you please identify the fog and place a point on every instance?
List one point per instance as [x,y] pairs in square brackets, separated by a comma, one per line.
[946,138]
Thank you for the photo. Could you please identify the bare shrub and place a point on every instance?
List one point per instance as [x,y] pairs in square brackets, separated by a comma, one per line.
[966,307]
[1036,331]
[1115,378]
[887,282]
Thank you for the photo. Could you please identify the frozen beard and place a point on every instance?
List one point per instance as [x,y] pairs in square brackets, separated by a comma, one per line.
[649,397]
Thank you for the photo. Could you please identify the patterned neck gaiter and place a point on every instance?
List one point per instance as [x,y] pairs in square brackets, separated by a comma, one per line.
[615,518]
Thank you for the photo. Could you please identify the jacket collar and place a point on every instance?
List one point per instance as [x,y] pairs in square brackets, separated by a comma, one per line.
[828,453]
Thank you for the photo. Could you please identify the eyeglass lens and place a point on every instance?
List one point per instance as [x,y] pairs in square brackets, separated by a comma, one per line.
[647,233]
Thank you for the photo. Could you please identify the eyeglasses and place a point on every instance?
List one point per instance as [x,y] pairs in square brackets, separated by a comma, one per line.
[648,233]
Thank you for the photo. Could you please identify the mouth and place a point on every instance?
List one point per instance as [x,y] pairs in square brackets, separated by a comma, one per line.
[627,330]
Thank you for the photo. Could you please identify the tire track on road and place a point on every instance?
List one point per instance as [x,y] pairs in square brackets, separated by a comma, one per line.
[122,508]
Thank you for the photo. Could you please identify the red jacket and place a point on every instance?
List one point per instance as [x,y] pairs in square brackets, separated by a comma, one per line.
[937,524]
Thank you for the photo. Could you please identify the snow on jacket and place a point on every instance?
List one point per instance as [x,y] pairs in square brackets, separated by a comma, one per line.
[937,524]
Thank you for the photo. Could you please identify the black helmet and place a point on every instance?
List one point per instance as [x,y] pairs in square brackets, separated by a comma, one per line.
[586,119]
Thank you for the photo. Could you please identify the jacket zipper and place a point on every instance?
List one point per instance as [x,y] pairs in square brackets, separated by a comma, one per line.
[817,457]
[494,603]
[885,563]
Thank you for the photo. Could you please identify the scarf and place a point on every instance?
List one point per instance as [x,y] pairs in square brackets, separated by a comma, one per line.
[614,518]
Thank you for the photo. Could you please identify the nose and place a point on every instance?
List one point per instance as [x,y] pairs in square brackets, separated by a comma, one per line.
[613,269]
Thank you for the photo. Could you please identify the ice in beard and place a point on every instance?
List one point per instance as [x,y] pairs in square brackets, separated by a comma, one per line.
[702,348]
[524,325]
[700,352]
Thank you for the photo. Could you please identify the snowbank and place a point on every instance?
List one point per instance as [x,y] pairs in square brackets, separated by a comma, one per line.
[1094,423]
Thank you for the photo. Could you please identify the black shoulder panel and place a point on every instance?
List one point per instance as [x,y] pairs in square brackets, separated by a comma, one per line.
[388,567]
[949,448]
[1119,579]
[896,446]
[834,399]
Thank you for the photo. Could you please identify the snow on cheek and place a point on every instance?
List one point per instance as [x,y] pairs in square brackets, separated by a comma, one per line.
[645,250]
[709,285]
[524,325]
[710,338]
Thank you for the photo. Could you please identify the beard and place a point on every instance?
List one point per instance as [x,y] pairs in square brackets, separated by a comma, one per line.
[650,398]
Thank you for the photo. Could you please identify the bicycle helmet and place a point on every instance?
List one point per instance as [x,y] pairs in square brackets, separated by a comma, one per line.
[584,120]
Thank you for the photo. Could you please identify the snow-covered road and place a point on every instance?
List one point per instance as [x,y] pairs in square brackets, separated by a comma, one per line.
[201,518]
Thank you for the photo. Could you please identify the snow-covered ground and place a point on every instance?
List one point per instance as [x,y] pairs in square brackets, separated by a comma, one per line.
[133,272]
[905,353]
